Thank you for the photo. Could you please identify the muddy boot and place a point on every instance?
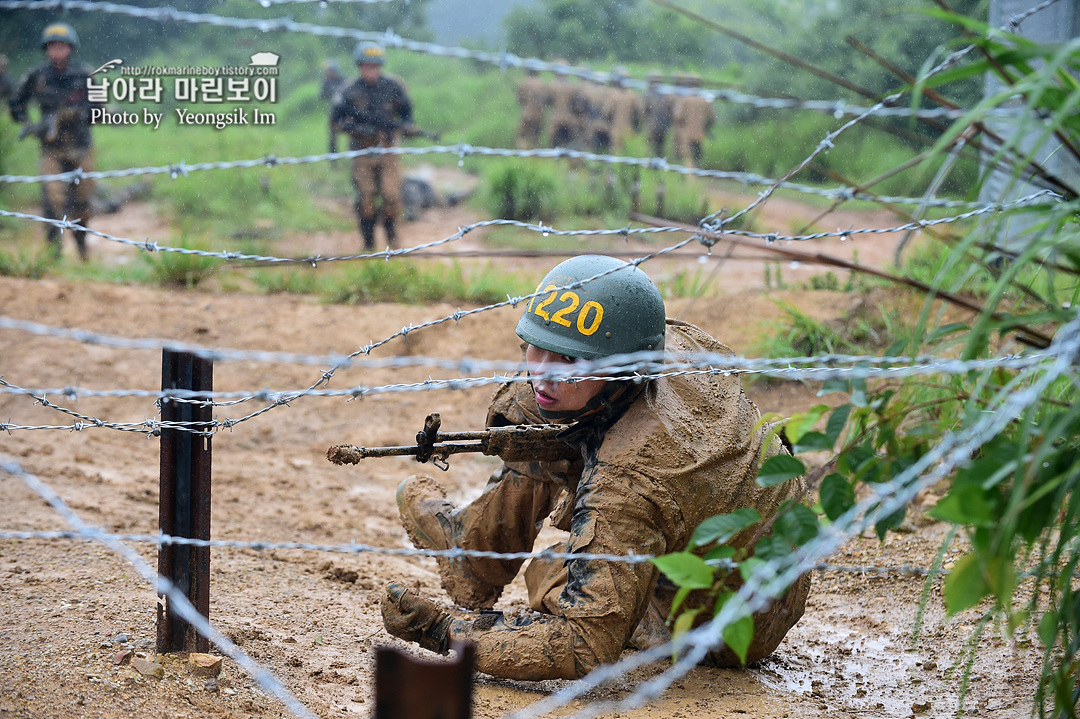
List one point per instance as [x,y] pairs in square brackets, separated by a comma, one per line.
[367,231]
[415,619]
[80,242]
[391,231]
[430,522]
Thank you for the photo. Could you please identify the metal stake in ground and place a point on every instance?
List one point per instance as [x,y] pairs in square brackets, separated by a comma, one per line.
[184,497]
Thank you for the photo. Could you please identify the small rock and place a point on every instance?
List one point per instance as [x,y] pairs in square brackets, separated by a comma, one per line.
[211,685]
[145,645]
[148,668]
[205,665]
[120,638]
[122,657]
[920,708]
[930,665]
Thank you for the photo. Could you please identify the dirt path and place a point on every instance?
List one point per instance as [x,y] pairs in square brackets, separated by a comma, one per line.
[67,608]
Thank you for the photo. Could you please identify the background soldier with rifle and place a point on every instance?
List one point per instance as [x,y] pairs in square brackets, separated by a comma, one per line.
[373,110]
[59,88]
[636,467]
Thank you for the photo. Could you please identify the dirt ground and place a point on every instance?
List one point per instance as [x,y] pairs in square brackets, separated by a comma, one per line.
[69,609]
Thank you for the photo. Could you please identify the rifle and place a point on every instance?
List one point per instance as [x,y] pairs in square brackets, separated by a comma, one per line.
[515,443]
[45,129]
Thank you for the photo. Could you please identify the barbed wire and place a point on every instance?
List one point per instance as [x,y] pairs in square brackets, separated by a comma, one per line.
[768,237]
[180,169]
[772,578]
[503,60]
[178,601]
[352,548]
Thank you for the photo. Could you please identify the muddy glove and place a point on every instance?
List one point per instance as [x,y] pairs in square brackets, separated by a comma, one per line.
[415,619]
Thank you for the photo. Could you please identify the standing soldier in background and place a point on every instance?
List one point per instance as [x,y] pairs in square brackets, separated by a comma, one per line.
[658,110]
[598,128]
[59,88]
[5,84]
[694,117]
[534,96]
[569,112]
[373,110]
[332,80]
[625,110]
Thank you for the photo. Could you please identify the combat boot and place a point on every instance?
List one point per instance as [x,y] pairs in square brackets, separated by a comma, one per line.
[432,523]
[389,224]
[367,231]
[52,239]
[80,242]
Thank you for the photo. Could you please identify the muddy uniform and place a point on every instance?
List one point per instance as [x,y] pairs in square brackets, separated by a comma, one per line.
[534,97]
[569,114]
[658,111]
[693,118]
[64,133]
[373,115]
[669,455]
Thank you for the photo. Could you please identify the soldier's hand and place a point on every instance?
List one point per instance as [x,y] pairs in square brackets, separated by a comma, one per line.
[409,616]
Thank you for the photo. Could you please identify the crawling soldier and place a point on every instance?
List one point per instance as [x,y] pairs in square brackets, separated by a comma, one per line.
[657,458]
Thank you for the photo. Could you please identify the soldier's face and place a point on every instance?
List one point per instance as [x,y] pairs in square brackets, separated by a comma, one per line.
[369,72]
[558,396]
[58,53]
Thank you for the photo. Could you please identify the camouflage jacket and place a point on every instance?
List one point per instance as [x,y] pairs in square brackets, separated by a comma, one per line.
[372,114]
[63,100]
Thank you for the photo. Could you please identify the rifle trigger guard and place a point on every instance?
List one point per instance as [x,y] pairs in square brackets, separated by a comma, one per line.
[441,463]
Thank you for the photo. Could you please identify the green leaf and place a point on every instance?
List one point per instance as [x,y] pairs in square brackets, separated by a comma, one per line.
[813,442]
[685,621]
[748,567]
[685,570]
[779,469]
[834,385]
[882,527]
[723,527]
[837,496]
[797,524]
[946,330]
[799,424]
[966,504]
[965,585]
[738,636]
[680,596]
[771,547]
[1048,628]
[722,551]
[837,420]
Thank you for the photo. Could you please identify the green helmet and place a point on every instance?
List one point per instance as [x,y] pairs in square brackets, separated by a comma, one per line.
[60,32]
[369,53]
[618,313]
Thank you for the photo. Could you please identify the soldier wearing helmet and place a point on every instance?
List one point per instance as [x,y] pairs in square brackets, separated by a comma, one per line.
[59,87]
[693,118]
[657,458]
[657,109]
[374,111]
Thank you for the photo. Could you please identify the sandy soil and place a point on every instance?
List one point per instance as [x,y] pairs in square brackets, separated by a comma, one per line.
[67,608]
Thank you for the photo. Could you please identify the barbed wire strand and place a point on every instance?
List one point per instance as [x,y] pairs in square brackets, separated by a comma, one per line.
[178,602]
[503,60]
[389,253]
[462,150]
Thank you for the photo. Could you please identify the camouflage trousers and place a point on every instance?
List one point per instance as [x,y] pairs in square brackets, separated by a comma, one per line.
[377,176]
[61,198]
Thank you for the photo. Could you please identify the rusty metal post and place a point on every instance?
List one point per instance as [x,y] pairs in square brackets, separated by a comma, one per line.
[184,500]
[408,688]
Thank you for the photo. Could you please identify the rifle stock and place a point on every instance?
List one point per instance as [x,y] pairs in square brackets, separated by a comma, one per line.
[515,443]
